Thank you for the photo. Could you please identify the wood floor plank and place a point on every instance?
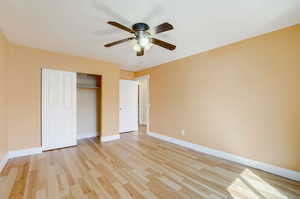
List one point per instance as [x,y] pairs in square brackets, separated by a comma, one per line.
[137,167]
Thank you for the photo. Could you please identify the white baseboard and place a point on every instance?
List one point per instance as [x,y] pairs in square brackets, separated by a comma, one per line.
[37,150]
[3,162]
[110,138]
[24,152]
[294,175]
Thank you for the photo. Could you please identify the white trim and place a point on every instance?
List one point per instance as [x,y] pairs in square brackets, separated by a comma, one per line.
[294,175]
[143,77]
[24,152]
[110,138]
[3,162]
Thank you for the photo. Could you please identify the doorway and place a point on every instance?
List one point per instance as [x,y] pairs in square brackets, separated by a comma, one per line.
[128,117]
[134,105]
[144,103]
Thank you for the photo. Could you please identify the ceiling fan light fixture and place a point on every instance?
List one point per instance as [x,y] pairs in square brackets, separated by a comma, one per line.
[135,45]
[148,46]
[140,44]
[137,48]
[144,41]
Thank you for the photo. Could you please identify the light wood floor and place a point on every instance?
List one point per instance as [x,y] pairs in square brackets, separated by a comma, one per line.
[136,166]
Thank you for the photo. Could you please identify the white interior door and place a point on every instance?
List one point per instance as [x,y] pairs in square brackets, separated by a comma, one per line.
[59,127]
[128,106]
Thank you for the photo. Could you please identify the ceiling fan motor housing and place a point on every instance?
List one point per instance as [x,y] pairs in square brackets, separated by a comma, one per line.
[140,27]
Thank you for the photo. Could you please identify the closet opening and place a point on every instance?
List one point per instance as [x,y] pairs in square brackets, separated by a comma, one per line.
[88,106]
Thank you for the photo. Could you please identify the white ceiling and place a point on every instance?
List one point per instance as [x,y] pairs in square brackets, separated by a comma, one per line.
[78,27]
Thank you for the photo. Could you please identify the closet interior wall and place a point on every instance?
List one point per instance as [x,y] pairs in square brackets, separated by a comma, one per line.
[88,106]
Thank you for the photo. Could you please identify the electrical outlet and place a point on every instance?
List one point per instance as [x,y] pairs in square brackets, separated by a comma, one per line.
[183,132]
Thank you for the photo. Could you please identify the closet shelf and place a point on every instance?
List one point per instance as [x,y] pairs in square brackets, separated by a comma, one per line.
[86,86]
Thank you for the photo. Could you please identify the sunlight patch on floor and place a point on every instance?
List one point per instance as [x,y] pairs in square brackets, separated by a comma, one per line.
[249,185]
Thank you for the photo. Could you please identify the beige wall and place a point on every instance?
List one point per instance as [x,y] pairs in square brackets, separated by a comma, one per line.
[127,75]
[243,98]
[24,92]
[3,95]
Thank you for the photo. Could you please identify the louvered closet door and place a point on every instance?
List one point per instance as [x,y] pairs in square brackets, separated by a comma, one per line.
[59,125]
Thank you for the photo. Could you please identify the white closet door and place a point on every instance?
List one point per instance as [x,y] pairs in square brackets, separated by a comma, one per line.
[128,106]
[59,125]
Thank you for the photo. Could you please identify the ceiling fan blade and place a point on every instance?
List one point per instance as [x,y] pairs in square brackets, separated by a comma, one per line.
[118,42]
[140,53]
[163,28]
[163,44]
[116,24]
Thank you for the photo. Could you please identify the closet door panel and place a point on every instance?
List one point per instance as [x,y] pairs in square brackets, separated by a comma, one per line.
[58,109]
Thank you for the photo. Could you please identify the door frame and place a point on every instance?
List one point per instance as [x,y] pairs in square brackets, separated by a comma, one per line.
[147,77]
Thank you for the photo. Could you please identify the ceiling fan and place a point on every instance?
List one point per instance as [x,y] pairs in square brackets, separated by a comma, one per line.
[142,39]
